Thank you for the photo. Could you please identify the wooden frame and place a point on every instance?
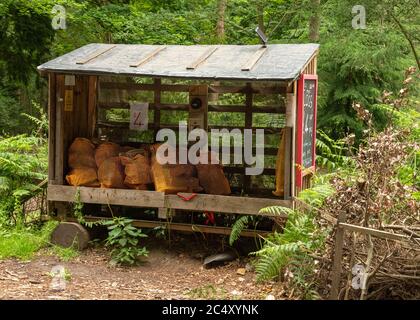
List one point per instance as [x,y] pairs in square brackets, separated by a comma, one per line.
[300,170]
[80,116]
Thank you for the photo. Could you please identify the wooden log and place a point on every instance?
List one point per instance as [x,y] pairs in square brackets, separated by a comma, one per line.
[70,234]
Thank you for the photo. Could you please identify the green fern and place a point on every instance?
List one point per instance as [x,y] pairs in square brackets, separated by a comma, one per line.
[242,222]
[276,210]
[331,154]
[239,225]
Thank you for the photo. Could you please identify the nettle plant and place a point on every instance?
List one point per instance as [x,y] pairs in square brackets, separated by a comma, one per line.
[124,238]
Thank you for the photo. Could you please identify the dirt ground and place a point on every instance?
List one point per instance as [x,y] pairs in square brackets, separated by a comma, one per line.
[174,272]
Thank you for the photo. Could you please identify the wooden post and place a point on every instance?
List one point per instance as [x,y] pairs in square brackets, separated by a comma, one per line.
[51,129]
[248,125]
[59,138]
[287,162]
[92,110]
[291,108]
[156,112]
[338,254]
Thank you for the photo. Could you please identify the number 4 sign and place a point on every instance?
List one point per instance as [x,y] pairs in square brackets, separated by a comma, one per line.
[139,118]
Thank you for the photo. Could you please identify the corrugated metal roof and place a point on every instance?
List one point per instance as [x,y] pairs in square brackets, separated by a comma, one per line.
[277,62]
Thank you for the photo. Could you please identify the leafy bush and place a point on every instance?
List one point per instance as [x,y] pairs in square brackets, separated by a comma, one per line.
[124,239]
[23,164]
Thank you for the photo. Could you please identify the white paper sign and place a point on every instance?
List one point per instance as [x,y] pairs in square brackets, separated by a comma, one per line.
[139,116]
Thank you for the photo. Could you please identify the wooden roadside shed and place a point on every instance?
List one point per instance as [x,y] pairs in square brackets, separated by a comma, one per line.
[271,87]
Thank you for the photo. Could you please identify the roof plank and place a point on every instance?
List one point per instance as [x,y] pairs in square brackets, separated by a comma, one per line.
[202,58]
[94,55]
[148,57]
[254,59]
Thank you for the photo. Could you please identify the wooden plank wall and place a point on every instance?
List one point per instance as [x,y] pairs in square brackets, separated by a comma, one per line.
[68,121]
[248,90]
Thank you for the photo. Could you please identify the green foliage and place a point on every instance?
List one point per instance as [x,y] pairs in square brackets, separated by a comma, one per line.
[292,248]
[25,37]
[239,225]
[23,164]
[124,239]
[64,254]
[23,243]
[331,154]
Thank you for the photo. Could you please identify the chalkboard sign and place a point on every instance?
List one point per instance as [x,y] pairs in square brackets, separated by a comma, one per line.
[309,99]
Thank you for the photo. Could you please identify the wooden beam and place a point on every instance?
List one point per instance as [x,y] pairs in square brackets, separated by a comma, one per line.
[254,59]
[95,54]
[277,88]
[224,204]
[212,108]
[154,199]
[202,58]
[148,57]
[123,197]
[184,227]
[125,125]
[374,232]
[241,170]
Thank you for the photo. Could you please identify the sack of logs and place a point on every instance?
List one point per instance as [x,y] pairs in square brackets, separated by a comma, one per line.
[110,165]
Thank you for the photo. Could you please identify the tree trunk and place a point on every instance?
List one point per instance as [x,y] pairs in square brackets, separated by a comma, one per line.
[407,36]
[260,15]
[314,21]
[220,27]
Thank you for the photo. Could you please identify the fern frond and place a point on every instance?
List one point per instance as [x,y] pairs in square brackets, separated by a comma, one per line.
[276,210]
[239,225]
